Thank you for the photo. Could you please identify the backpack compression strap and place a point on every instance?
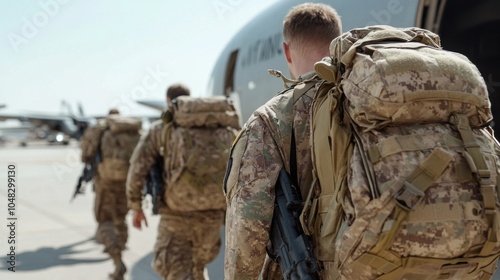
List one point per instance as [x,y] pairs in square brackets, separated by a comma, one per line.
[478,166]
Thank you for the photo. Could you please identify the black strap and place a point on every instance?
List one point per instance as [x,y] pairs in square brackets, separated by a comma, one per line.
[293,159]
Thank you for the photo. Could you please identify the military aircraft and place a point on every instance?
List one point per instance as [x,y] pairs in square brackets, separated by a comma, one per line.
[471,28]
[240,72]
[56,129]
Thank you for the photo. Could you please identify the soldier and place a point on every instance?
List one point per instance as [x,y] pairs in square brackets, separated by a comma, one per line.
[109,145]
[189,229]
[264,146]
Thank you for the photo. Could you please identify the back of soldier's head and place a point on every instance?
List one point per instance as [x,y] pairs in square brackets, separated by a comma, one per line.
[311,25]
[177,90]
[113,111]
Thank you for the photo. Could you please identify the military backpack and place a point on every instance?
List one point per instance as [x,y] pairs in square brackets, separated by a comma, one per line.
[117,144]
[406,165]
[198,136]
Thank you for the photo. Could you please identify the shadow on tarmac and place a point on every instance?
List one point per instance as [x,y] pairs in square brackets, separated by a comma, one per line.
[46,257]
[142,268]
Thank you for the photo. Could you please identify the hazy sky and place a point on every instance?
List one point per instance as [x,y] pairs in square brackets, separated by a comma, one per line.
[108,53]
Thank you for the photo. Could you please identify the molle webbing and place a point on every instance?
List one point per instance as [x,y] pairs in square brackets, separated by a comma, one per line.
[422,178]
[478,166]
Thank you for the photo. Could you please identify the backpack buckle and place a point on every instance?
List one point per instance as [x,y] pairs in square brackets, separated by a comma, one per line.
[408,196]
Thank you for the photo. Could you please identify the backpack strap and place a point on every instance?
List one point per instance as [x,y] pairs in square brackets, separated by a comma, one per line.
[167,117]
[297,91]
[479,168]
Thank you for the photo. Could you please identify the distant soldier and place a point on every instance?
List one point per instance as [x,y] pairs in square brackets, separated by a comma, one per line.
[112,142]
[191,142]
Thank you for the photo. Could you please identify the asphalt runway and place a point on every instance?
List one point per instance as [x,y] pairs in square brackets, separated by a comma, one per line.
[54,238]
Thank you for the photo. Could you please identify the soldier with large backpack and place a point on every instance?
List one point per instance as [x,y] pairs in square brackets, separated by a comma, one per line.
[192,142]
[112,141]
[407,169]
[275,137]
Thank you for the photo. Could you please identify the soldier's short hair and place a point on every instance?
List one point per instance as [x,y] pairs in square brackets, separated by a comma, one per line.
[113,111]
[177,90]
[311,23]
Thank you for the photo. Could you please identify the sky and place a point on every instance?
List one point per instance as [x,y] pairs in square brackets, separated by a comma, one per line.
[105,54]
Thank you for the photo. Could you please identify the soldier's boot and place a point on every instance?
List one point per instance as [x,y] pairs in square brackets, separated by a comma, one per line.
[120,268]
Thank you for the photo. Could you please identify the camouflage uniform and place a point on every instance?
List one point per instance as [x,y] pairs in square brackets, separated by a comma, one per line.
[186,241]
[90,144]
[110,208]
[260,152]
[110,212]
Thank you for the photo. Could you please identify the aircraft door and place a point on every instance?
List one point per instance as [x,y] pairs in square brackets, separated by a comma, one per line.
[229,85]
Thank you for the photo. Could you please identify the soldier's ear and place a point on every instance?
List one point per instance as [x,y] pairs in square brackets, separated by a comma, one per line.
[286,49]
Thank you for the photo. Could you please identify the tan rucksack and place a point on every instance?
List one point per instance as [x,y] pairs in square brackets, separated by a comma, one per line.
[198,140]
[117,144]
[409,188]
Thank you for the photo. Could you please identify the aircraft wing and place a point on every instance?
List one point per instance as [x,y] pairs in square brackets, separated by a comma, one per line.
[36,119]
[155,104]
[65,124]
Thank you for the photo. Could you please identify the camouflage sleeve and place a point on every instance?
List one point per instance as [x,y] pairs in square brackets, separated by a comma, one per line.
[253,171]
[144,157]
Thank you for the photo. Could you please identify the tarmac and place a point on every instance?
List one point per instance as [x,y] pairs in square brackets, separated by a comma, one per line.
[45,235]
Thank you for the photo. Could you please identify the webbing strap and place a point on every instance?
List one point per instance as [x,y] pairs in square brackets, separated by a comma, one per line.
[407,143]
[478,166]
[422,177]
[429,268]
[302,88]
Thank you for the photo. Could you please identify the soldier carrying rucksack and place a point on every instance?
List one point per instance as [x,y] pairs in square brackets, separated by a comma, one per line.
[406,164]
[406,169]
[192,142]
[113,139]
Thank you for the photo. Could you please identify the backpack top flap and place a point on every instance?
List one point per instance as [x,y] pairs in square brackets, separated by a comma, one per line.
[402,76]
[118,124]
[214,111]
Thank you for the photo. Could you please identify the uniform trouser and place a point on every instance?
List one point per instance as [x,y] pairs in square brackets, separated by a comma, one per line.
[110,212]
[186,243]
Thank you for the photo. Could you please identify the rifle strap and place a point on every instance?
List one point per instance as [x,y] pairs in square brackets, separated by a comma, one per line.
[293,160]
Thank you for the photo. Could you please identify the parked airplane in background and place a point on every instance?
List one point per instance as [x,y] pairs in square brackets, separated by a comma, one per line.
[57,129]
[468,27]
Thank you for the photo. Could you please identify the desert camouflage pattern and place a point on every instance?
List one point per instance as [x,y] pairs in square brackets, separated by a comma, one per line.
[110,206]
[110,211]
[143,158]
[117,145]
[211,112]
[448,223]
[260,152]
[413,113]
[198,144]
[390,82]
[186,243]
[90,141]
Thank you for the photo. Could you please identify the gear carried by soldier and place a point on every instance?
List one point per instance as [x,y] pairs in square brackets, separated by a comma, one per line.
[113,140]
[190,144]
